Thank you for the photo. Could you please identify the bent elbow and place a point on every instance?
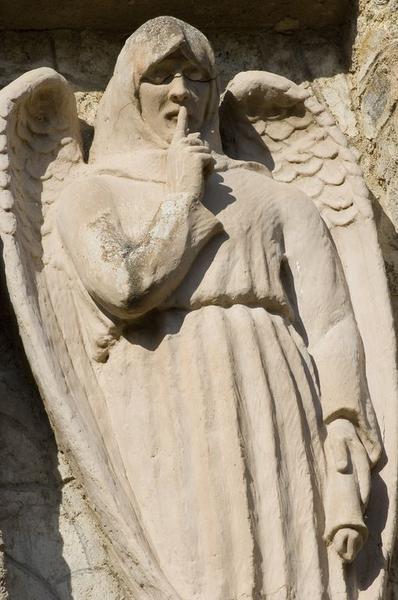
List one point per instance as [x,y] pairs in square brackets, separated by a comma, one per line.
[127,299]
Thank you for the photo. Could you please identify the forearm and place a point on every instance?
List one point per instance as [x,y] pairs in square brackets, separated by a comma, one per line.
[130,277]
[157,264]
[145,271]
[324,313]
[338,356]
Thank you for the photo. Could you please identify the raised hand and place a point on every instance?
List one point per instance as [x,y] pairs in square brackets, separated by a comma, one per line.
[189,159]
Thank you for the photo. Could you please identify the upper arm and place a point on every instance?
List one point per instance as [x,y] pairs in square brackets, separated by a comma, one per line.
[91,231]
[320,290]
[81,207]
[324,309]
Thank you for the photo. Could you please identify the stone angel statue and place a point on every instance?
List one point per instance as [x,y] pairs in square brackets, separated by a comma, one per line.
[205,311]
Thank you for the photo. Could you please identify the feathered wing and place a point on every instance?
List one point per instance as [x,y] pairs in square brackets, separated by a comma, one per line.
[40,152]
[268,119]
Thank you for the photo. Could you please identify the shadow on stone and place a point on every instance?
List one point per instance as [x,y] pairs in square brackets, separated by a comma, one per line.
[30,485]
[388,239]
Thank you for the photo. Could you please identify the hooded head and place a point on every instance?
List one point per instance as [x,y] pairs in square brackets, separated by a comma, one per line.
[164,65]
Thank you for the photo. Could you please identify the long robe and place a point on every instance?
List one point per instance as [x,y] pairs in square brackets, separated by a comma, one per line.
[218,395]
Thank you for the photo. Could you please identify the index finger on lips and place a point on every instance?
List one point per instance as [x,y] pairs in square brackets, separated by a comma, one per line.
[182,125]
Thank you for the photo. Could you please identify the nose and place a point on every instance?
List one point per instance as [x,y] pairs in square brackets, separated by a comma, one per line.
[178,89]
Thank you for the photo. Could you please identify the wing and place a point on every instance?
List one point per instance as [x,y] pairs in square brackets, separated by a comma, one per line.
[40,153]
[40,147]
[271,120]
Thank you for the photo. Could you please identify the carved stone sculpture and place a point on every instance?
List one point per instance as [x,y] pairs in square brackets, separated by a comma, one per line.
[217,360]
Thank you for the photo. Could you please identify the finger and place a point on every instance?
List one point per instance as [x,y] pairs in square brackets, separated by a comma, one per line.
[347,542]
[182,124]
[206,161]
[340,542]
[354,543]
[198,148]
[197,139]
[208,165]
[193,142]
[205,158]
[194,136]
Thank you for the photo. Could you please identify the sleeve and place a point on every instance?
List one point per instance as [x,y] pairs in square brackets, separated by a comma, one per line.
[324,316]
[130,277]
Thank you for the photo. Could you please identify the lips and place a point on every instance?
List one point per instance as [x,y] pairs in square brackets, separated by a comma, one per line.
[173,114]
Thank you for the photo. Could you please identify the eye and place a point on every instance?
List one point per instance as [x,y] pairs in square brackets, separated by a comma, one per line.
[195,73]
[164,72]
[160,74]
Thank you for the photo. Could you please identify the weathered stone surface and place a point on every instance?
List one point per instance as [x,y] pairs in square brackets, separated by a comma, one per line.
[374,80]
[53,546]
[126,15]
[23,52]
[301,124]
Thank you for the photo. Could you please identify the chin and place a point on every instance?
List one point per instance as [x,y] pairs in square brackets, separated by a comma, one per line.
[168,138]
[167,133]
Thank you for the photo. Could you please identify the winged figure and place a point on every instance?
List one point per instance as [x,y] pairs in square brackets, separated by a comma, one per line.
[205,310]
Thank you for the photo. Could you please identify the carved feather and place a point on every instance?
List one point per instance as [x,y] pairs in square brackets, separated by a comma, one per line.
[307,147]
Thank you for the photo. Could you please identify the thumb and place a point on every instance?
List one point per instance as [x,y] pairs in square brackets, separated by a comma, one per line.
[182,124]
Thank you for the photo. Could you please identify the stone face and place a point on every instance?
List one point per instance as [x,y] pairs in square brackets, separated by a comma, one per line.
[52,541]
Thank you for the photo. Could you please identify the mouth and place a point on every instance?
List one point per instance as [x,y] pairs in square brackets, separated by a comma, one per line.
[172,115]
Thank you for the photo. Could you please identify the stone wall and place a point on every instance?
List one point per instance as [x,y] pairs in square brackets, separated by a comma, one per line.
[51,542]
[374,81]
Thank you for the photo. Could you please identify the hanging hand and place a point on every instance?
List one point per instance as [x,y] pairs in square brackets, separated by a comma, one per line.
[347,457]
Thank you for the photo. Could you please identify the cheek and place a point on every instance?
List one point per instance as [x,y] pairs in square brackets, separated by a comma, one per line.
[202,98]
[152,97]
